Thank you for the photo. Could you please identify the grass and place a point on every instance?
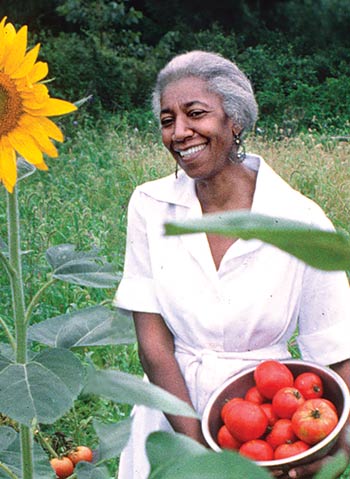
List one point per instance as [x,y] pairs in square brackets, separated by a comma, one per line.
[83,199]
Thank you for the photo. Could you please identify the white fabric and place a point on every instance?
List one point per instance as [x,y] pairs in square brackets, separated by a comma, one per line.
[226,320]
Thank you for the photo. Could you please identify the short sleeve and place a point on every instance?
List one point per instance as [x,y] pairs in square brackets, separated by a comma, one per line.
[324,320]
[136,291]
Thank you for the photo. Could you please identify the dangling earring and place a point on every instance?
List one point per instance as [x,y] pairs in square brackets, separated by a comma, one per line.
[240,154]
[176,169]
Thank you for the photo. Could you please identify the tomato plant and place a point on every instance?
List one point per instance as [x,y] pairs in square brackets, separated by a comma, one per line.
[314,420]
[62,466]
[290,449]
[281,433]
[257,449]
[226,440]
[81,453]
[309,384]
[270,376]
[246,420]
[286,401]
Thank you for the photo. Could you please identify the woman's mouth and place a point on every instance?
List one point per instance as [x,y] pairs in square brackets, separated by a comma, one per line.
[189,152]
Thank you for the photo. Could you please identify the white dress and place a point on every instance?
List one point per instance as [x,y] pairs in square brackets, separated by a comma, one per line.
[227,319]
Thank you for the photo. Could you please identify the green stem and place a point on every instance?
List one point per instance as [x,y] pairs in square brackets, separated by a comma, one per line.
[8,471]
[8,334]
[16,281]
[45,443]
[7,266]
[35,299]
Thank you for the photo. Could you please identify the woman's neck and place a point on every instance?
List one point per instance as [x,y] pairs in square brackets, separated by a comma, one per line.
[231,189]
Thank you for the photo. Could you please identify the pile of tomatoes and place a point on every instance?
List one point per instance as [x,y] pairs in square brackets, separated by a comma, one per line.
[64,465]
[280,416]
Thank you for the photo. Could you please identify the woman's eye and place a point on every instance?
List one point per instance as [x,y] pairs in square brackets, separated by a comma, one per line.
[166,121]
[196,113]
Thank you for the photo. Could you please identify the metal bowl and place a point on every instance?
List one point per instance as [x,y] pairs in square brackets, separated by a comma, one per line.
[335,390]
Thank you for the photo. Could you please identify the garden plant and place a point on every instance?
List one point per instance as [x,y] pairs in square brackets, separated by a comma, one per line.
[45,366]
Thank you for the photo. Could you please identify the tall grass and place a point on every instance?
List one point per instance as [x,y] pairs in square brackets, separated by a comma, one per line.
[83,199]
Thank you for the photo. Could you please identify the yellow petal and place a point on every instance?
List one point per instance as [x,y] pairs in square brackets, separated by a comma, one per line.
[51,128]
[35,98]
[30,125]
[27,64]
[25,146]
[39,71]
[7,35]
[8,168]
[15,55]
[54,107]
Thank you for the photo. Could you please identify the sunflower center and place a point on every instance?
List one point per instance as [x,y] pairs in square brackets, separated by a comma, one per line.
[10,105]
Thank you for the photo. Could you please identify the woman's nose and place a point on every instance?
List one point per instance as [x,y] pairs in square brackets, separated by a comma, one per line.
[182,129]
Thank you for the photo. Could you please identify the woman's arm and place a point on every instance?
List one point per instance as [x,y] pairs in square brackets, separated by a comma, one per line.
[156,352]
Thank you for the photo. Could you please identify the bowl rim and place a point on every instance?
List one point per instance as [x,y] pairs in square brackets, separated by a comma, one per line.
[297,457]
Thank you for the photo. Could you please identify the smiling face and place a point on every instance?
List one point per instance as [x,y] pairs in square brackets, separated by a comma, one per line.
[195,128]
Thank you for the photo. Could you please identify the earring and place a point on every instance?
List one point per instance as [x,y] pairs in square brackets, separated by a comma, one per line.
[240,153]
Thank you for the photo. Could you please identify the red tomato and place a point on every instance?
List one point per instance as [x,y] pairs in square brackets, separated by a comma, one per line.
[254,395]
[227,406]
[286,450]
[281,433]
[332,405]
[62,466]
[271,416]
[226,440]
[286,401]
[257,449]
[309,384]
[81,453]
[246,420]
[314,420]
[270,376]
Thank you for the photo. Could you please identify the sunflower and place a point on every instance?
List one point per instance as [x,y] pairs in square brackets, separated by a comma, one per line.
[25,105]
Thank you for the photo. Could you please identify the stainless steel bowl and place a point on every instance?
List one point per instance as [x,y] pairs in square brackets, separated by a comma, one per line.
[335,390]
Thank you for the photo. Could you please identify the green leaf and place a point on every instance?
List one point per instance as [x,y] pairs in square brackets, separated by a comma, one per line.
[129,389]
[11,457]
[86,470]
[112,437]
[7,436]
[83,268]
[333,468]
[95,326]
[325,250]
[173,456]
[43,389]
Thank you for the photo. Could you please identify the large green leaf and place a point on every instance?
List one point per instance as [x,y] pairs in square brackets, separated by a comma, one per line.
[11,457]
[112,437]
[43,389]
[85,470]
[7,436]
[83,268]
[326,250]
[95,326]
[173,456]
[334,468]
[129,389]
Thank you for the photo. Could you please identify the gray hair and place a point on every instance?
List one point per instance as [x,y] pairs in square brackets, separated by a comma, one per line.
[223,78]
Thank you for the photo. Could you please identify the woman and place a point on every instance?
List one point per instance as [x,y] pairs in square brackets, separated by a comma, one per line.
[207,306]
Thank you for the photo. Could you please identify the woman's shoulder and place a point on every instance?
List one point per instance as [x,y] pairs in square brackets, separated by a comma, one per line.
[168,189]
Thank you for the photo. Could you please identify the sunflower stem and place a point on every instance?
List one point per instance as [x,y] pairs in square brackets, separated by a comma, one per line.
[8,334]
[18,304]
[36,298]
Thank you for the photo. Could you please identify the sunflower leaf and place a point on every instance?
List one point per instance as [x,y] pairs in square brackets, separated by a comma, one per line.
[94,326]
[327,250]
